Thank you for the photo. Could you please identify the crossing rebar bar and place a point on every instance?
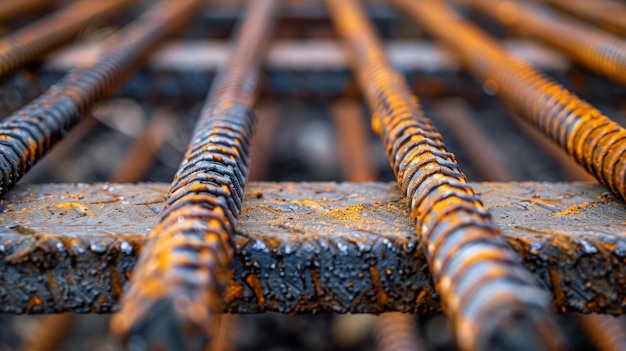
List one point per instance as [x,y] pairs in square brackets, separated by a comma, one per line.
[27,43]
[178,284]
[608,14]
[493,302]
[597,49]
[29,133]
[594,140]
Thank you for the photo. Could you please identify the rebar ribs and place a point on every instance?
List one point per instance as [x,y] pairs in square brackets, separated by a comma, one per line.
[178,284]
[492,300]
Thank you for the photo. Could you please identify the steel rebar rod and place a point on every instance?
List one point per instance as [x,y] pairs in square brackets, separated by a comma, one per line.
[29,42]
[178,284]
[597,49]
[491,299]
[29,133]
[608,14]
[595,141]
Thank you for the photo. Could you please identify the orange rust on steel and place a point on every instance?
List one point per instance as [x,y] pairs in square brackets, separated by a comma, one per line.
[597,49]
[183,272]
[27,43]
[493,301]
[27,135]
[397,331]
[605,331]
[481,150]
[608,14]
[594,140]
[11,9]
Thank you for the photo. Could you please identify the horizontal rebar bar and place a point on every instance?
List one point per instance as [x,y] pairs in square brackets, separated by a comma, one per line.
[29,133]
[180,278]
[304,247]
[29,42]
[597,49]
[490,297]
[595,141]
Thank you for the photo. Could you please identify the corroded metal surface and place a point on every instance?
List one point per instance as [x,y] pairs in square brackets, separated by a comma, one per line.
[305,247]
[492,301]
[27,43]
[29,133]
[594,47]
[184,270]
[595,141]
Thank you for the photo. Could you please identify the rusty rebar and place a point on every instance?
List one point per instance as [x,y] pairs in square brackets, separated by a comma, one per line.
[179,280]
[605,331]
[597,49]
[491,299]
[29,42]
[29,133]
[608,14]
[596,142]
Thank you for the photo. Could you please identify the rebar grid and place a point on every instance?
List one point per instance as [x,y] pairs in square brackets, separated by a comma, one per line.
[595,141]
[594,47]
[27,43]
[179,281]
[492,300]
[28,134]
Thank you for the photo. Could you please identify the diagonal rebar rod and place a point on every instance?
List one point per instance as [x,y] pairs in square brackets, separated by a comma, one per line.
[594,140]
[493,302]
[29,42]
[597,49]
[609,14]
[177,287]
[29,133]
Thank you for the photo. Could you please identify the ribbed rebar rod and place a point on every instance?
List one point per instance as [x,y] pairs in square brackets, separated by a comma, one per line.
[608,14]
[493,302]
[596,142]
[597,49]
[29,133]
[178,283]
[27,43]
